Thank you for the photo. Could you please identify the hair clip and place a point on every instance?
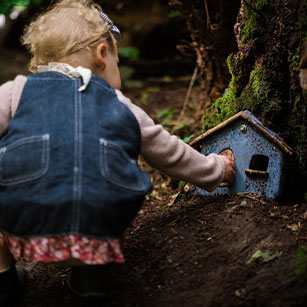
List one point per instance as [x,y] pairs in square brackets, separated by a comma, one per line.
[114,30]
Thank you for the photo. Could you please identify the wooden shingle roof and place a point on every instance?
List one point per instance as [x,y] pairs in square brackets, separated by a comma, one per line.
[253,121]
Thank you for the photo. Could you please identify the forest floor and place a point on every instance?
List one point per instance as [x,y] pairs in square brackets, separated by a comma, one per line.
[186,250]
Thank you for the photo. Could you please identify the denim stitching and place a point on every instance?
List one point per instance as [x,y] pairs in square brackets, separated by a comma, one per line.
[104,170]
[79,95]
[75,196]
[52,79]
[77,160]
[56,76]
[44,140]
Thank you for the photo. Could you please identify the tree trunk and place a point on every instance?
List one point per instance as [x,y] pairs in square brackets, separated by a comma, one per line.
[210,23]
[265,77]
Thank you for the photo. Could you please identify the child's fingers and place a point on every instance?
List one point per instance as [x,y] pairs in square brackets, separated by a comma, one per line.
[230,172]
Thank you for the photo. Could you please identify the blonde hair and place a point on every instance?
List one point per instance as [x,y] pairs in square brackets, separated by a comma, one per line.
[64,29]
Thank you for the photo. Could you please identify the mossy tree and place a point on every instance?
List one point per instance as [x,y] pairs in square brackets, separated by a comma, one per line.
[265,78]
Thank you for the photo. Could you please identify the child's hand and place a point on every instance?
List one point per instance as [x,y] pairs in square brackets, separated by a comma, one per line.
[229,173]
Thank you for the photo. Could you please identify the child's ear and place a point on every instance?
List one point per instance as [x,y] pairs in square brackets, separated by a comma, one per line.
[100,53]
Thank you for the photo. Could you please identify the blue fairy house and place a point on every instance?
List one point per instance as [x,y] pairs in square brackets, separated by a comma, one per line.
[258,152]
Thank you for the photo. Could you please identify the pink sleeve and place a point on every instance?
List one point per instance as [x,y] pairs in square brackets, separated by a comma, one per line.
[5,105]
[174,157]
[10,93]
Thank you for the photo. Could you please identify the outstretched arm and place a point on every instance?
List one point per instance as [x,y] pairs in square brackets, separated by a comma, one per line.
[177,159]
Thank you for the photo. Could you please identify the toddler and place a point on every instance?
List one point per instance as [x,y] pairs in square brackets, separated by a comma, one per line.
[69,144]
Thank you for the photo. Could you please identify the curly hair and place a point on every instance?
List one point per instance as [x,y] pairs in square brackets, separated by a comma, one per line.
[67,27]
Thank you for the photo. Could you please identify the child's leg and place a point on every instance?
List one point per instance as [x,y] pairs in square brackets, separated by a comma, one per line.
[5,259]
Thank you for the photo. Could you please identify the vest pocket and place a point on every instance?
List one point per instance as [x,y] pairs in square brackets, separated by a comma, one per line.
[24,160]
[119,169]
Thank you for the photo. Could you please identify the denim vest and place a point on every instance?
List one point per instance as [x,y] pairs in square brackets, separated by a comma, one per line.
[68,161]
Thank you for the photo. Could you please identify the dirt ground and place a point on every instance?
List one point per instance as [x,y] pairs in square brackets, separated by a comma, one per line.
[195,253]
[185,250]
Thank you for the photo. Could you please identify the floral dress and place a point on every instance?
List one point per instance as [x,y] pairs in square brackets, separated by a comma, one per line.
[61,248]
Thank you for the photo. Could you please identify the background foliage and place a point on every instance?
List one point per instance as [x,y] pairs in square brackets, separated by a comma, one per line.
[6,6]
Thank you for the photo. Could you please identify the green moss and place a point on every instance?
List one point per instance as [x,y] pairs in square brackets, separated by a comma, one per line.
[221,110]
[249,27]
[255,96]
[232,64]
[256,79]
[259,4]
[252,22]
[301,262]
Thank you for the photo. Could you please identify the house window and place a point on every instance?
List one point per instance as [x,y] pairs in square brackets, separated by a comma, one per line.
[259,163]
[258,167]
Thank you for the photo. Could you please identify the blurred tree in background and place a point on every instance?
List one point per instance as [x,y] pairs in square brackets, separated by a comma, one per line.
[210,23]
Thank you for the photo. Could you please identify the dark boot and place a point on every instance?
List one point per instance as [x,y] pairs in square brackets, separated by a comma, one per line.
[87,281]
[11,286]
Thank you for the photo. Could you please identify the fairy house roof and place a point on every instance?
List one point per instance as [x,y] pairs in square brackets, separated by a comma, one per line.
[254,122]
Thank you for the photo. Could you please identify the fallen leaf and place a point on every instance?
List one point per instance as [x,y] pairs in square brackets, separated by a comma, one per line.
[231,203]
[242,204]
[266,256]
[294,227]
[303,216]
[173,199]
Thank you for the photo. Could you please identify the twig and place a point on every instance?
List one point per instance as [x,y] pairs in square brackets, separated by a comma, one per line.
[245,194]
[187,97]
[208,16]
[203,84]
[199,58]
[174,221]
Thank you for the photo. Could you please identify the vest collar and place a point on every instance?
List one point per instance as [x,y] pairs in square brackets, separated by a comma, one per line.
[70,71]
